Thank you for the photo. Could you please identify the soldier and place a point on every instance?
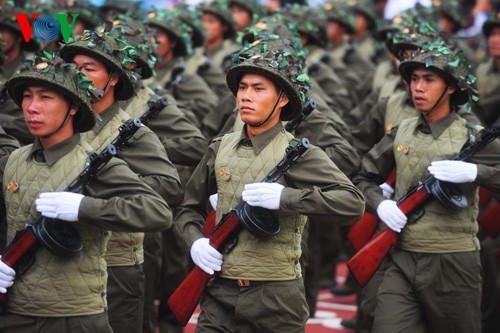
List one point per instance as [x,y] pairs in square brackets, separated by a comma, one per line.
[245,13]
[488,83]
[340,23]
[15,49]
[219,26]
[102,57]
[198,63]
[60,294]
[433,277]
[173,44]
[366,17]
[255,268]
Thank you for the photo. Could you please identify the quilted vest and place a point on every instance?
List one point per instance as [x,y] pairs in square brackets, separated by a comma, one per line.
[435,229]
[255,258]
[124,248]
[397,110]
[53,286]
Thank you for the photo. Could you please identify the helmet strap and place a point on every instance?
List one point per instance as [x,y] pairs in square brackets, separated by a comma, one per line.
[60,126]
[274,109]
[97,94]
[427,112]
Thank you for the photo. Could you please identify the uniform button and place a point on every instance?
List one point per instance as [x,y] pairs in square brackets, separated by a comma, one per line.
[106,233]
[296,229]
[296,262]
[295,247]
[103,294]
[103,273]
[135,249]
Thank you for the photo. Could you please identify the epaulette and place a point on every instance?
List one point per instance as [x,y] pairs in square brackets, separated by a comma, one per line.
[217,139]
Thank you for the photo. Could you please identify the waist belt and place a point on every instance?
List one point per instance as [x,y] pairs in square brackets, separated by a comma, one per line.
[240,282]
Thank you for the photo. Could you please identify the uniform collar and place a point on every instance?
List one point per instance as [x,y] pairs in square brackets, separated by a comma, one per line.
[437,127]
[260,141]
[54,153]
[106,115]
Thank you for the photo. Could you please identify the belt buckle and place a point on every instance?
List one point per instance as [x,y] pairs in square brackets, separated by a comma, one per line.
[243,283]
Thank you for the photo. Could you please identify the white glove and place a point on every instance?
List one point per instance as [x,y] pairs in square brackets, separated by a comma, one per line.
[387,190]
[59,205]
[213,200]
[266,195]
[390,214]
[7,276]
[453,171]
[205,256]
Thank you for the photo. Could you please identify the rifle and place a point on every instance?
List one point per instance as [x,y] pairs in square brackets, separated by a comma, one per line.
[154,107]
[366,262]
[61,238]
[362,230]
[186,297]
[306,111]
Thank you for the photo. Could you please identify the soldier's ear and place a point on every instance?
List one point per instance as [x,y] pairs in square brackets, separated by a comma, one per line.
[451,90]
[283,100]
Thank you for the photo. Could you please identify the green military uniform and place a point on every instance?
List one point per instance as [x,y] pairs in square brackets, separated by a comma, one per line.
[270,264]
[442,243]
[60,293]
[221,55]
[146,156]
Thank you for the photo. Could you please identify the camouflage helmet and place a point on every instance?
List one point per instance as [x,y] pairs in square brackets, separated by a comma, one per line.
[192,21]
[137,34]
[86,12]
[52,71]
[276,27]
[412,37]
[275,60]
[251,6]
[366,8]
[308,21]
[105,47]
[451,10]
[174,27]
[337,12]
[449,62]
[220,9]
[9,21]
[492,22]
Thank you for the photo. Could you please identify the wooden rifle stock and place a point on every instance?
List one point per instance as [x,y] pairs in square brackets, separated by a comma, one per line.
[365,263]
[186,297]
[490,220]
[362,230]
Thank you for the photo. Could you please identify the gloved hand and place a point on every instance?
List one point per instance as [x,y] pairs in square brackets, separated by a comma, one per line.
[59,205]
[453,171]
[266,195]
[213,200]
[7,276]
[390,214]
[387,190]
[205,256]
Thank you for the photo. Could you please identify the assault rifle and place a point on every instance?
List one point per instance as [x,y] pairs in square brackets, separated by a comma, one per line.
[154,107]
[306,111]
[61,238]
[363,229]
[366,262]
[186,297]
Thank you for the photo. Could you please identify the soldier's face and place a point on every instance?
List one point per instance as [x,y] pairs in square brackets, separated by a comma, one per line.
[241,17]
[494,42]
[335,32]
[426,88]
[44,111]
[256,97]
[213,26]
[9,38]
[361,23]
[166,46]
